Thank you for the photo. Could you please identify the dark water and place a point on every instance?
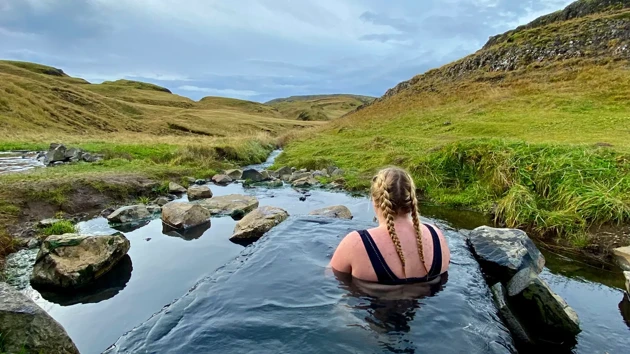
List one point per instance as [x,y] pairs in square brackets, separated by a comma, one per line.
[18,161]
[275,296]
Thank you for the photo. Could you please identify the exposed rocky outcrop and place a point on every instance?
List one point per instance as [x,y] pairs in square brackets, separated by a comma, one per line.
[199,192]
[129,214]
[180,215]
[533,312]
[26,328]
[72,261]
[337,212]
[59,154]
[257,223]
[230,204]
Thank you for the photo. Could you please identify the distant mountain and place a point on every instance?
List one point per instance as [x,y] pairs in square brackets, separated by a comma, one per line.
[318,107]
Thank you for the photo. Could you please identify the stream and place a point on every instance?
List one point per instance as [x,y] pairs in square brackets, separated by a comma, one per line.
[275,296]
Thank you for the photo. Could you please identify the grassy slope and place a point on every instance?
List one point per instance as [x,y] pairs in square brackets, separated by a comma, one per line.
[520,143]
[142,129]
[318,107]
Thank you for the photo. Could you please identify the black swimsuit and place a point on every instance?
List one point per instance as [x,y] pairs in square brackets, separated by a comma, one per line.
[385,274]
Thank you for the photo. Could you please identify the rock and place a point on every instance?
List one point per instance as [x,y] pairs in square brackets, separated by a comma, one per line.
[540,308]
[33,243]
[222,180]
[330,169]
[180,215]
[48,222]
[107,212]
[234,174]
[200,182]
[161,201]
[323,174]
[129,214]
[337,212]
[338,173]
[276,183]
[154,209]
[199,192]
[229,204]
[175,188]
[500,301]
[265,175]
[335,185]
[191,180]
[627,275]
[87,157]
[73,261]
[303,198]
[304,170]
[57,163]
[622,256]
[504,252]
[306,182]
[188,234]
[26,328]
[257,223]
[253,176]
[299,175]
[274,174]
[284,171]
[57,152]
[73,154]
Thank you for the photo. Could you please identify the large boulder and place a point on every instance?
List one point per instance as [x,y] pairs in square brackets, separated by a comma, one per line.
[26,328]
[306,182]
[338,212]
[257,223]
[234,174]
[222,180]
[180,215]
[176,188]
[73,261]
[540,308]
[504,252]
[253,175]
[129,214]
[622,255]
[230,204]
[56,152]
[199,192]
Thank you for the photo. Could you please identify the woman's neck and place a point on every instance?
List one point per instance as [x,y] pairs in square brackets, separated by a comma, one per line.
[383,222]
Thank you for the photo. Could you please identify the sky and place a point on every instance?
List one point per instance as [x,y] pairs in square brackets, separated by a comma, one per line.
[256,49]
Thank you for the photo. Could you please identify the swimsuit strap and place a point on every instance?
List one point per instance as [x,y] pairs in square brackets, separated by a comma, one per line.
[436,265]
[382,270]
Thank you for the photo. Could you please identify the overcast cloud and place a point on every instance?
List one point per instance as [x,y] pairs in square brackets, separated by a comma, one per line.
[256,49]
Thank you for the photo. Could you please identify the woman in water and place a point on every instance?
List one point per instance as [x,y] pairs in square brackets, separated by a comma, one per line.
[401,250]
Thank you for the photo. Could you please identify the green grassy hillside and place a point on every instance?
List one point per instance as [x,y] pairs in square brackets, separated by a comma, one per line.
[318,107]
[533,128]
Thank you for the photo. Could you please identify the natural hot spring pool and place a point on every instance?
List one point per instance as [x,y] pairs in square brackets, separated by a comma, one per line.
[275,297]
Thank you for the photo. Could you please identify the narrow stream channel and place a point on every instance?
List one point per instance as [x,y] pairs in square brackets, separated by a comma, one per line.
[276,298]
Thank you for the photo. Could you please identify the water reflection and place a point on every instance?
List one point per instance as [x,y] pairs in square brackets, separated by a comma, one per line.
[624,309]
[103,289]
[190,234]
[389,311]
[130,227]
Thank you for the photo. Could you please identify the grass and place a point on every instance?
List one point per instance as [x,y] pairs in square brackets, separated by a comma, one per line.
[543,147]
[319,107]
[60,228]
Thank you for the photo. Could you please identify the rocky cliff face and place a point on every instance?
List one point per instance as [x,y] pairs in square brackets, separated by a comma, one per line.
[589,29]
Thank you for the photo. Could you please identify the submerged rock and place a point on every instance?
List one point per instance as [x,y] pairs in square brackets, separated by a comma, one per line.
[222,180]
[499,296]
[622,256]
[129,214]
[234,174]
[253,176]
[25,327]
[74,261]
[154,209]
[257,223]
[199,192]
[338,212]
[504,252]
[541,308]
[162,201]
[176,188]
[230,204]
[181,215]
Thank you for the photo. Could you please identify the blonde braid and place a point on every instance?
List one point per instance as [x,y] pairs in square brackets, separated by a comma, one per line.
[386,206]
[415,215]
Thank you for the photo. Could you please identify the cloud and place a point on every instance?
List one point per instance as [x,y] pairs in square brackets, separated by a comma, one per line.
[257,49]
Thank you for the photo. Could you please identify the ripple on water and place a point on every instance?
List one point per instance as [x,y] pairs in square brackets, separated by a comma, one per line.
[278,299]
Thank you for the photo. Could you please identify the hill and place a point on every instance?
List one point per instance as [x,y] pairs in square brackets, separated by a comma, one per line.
[318,107]
[39,100]
[533,128]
